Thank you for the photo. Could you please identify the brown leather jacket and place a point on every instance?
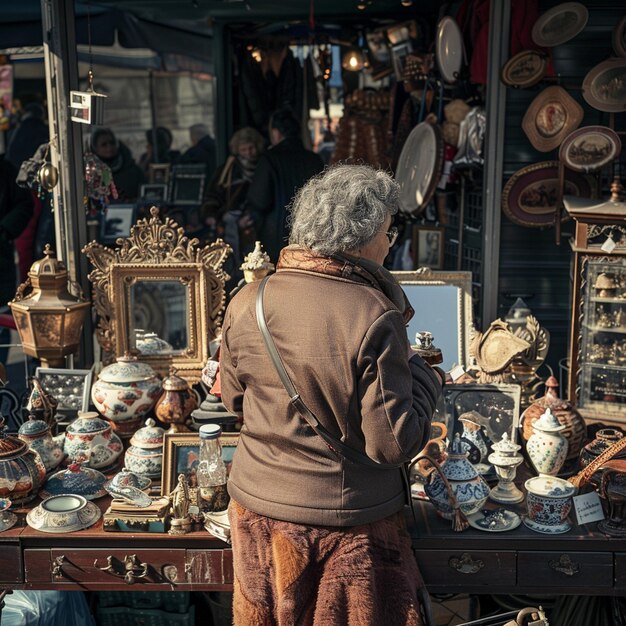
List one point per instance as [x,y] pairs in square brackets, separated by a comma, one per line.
[344,345]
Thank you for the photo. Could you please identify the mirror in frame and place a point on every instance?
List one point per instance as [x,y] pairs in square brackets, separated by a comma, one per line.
[443,306]
[159,295]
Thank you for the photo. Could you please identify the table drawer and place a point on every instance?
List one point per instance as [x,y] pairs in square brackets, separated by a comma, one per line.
[210,567]
[114,566]
[577,569]
[620,570]
[457,568]
[11,568]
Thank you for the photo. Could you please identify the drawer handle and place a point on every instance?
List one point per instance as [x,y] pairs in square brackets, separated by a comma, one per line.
[565,565]
[131,569]
[466,564]
[57,568]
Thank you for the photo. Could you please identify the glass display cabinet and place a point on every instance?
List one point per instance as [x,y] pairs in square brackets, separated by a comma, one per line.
[597,378]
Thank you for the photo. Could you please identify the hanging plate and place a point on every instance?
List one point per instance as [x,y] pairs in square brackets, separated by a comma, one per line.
[551,116]
[525,69]
[590,148]
[449,50]
[619,38]
[604,87]
[560,24]
[419,167]
[529,197]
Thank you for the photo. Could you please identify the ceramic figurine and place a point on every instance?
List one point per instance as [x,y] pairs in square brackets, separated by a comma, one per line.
[124,393]
[505,459]
[180,504]
[175,403]
[36,433]
[144,457]
[21,469]
[468,487]
[90,437]
[549,501]
[547,447]
[424,346]
[256,265]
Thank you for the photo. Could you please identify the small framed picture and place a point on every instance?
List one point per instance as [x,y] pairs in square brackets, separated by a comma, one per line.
[187,184]
[70,388]
[156,194]
[428,246]
[399,53]
[181,455]
[117,222]
[159,173]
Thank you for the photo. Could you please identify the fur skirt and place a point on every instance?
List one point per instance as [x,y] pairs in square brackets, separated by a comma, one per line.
[291,574]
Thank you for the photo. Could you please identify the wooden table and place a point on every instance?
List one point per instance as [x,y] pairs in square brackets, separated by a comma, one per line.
[582,561]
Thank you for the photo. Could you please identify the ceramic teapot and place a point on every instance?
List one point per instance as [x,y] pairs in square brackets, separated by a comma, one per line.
[456,489]
[21,469]
[36,433]
[90,437]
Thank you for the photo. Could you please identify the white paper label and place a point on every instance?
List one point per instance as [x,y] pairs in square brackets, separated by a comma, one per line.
[588,508]
[456,372]
[609,245]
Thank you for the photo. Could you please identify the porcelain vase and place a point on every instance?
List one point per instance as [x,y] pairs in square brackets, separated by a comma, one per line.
[547,447]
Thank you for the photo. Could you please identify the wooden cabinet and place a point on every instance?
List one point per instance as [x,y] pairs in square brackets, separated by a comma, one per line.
[575,569]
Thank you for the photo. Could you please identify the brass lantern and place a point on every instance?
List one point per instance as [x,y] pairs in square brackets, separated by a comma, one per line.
[48,317]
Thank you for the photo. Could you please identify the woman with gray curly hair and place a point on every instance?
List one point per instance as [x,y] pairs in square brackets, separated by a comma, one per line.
[317,497]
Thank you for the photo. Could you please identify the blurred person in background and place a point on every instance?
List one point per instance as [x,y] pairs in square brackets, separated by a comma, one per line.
[127,175]
[202,149]
[163,152]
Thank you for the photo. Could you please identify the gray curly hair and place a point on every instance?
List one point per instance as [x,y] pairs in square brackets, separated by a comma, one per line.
[342,209]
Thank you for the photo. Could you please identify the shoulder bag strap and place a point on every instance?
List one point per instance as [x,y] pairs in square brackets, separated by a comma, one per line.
[349,453]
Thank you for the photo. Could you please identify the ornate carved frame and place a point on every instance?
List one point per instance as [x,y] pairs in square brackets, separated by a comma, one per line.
[463,281]
[158,250]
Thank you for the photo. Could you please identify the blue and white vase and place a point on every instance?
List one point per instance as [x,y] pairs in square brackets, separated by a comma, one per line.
[547,447]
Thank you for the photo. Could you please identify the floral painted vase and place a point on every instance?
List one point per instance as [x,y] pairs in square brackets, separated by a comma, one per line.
[125,391]
[36,433]
[547,447]
[22,471]
[469,488]
[549,502]
[90,438]
[144,457]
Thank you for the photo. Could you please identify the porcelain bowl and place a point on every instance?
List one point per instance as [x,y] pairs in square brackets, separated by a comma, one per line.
[63,514]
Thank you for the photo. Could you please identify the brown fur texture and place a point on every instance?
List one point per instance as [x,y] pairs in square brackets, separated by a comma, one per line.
[290,574]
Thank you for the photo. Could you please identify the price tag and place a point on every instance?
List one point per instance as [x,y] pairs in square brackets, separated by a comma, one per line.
[456,372]
[609,245]
[588,508]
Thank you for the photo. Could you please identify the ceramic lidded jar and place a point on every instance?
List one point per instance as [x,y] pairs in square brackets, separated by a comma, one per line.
[125,391]
[549,502]
[176,402]
[90,437]
[145,455]
[21,470]
[547,447]
[36,433]
[505,459]
[75,480]
[469,488]
[565,412]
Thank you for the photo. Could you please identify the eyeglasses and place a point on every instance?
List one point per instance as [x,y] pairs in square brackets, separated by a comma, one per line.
[392,235]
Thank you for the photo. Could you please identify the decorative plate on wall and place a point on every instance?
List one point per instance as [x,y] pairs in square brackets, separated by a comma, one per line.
[525,69]
[530,196]
[560,24]
[590,148]
[449,51]
[604,87]
[619,38]
[419,167]
[551,116]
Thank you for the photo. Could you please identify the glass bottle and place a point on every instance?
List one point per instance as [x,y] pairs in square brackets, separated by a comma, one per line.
[211,471]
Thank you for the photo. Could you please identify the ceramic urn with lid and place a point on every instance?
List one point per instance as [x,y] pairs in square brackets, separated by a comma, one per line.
[90,438]
[176,402]
[36,433]
[21,470]
[144,457]
[547,447]
[124,393]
